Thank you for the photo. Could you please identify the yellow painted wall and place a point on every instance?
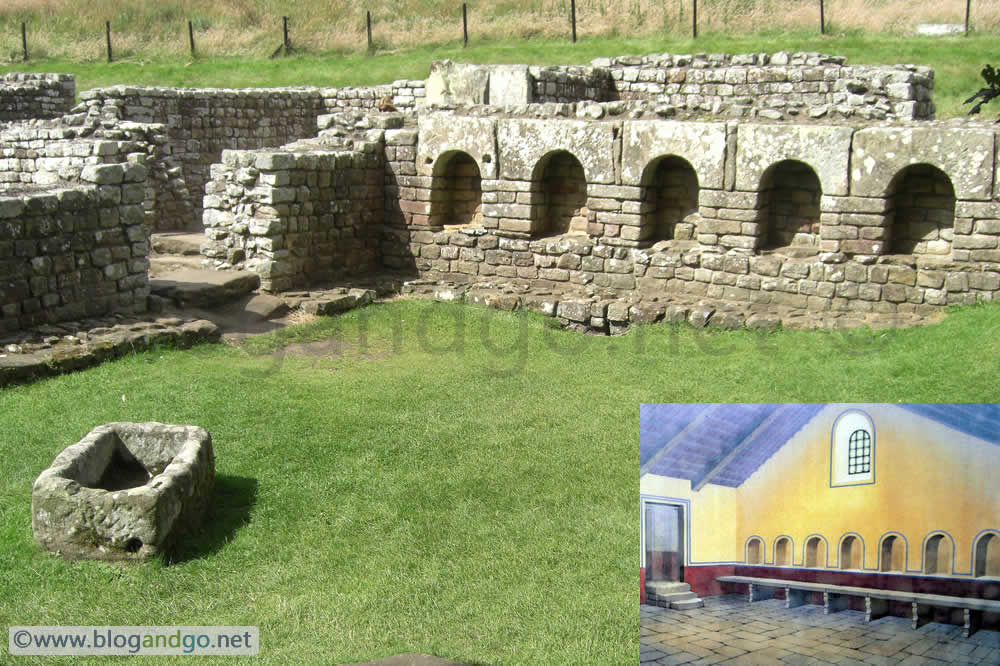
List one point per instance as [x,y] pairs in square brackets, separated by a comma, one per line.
[928,477]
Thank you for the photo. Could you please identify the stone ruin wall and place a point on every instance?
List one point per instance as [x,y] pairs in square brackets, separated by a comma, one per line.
[203,122]
[29,96]
[884,219]
[779,86]
[75,212]
[602,215]
[612,199]
[298,217]
[73,252]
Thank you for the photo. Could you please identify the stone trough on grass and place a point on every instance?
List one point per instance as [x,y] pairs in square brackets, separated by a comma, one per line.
[126,491]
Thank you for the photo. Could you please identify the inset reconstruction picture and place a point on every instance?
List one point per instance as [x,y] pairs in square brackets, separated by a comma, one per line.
[819,531]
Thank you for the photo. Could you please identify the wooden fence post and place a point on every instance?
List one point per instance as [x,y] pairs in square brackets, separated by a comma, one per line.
[465,25]
[822,27]
[107,30]
[968,10]
[368,20]
[572,17]
[694,19]
[191,37]
[24,41]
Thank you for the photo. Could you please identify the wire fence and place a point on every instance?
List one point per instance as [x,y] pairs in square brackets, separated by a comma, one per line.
[380,28]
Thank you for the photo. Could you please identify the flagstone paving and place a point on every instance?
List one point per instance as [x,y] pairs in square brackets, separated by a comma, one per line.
[729,630]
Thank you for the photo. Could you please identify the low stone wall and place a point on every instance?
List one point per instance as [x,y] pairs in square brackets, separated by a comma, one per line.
[573,84]
[74,252]
[27,96]
[55,154]
[570,267]
[779,86]
[202,122]
[775,86]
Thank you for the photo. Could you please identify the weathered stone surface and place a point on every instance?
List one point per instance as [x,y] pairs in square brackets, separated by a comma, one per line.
[703,145]
[827,150]
[28,361]
[126,491]
[509,84]
[440,135]
[965,155]
[203,288]
[524,142]
[451,83]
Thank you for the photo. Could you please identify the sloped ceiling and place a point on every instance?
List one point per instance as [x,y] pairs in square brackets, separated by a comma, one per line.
[725,443]
[980,420]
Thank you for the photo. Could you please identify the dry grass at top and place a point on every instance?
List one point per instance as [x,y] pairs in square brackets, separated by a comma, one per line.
[61,28]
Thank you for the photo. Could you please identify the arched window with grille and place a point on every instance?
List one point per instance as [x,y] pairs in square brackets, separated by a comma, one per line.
[852,450]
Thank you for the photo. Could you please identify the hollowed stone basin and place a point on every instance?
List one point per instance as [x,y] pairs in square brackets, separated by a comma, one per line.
[126,491]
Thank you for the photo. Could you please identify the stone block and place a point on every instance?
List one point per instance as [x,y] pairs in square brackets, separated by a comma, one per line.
[702,145]
[451,83]
[826,149]
[126,491]
[524,142]
[270,161]
[103,174]
[965,155]
[440,135]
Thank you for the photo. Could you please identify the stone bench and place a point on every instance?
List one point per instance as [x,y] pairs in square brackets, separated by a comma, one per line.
[876,600]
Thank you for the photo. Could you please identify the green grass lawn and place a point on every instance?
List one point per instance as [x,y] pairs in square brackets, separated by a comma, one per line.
[433,478]
[957,61]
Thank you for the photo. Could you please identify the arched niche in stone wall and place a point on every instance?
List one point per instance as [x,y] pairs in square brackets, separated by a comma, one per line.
[986,556]
[815,552]
[921,212]
[783,552]
[559,196]
[852,554]
[892,553]
[456,191]
[938,554]
[788,216]
[669,200]
[755,551]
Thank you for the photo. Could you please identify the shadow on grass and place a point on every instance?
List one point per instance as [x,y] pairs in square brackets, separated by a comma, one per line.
[232,503]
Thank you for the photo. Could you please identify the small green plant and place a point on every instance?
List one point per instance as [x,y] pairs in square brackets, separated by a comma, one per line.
[992,78]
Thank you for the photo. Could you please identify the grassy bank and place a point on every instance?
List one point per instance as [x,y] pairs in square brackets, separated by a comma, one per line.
[426,477]
[62,28]
[957,61]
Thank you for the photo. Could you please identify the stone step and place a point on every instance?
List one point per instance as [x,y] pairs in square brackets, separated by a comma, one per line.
[666,587]
[160,264]
[687,604]
[190,287]
[672,596]
[179,243]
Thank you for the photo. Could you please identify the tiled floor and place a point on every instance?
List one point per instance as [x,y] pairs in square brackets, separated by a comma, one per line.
[729,630]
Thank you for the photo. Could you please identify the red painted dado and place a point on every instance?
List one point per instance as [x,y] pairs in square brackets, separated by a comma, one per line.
[642,585]
[702,579]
